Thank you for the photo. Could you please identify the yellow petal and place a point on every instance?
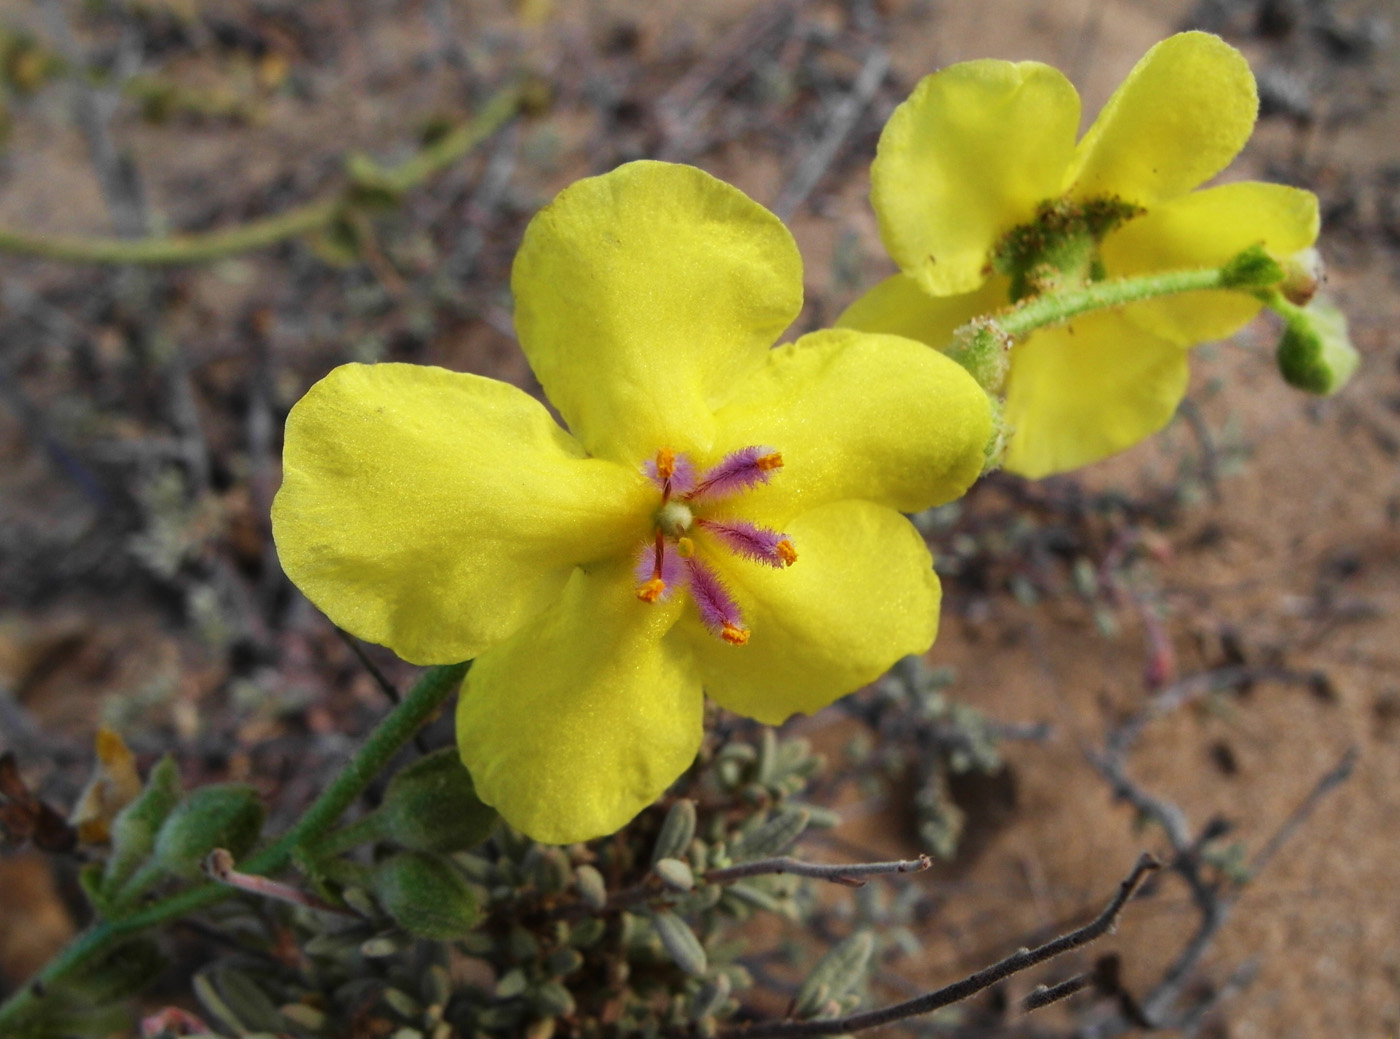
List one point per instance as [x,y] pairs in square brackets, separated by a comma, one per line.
[1206,229]
[585,716]
[434,512]
[966,158]
[856,415]
[1082,392]
[641,295]
[861,595]
[1185,110]
[900,306]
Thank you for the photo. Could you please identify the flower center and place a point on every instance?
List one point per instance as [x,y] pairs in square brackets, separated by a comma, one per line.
[670,560]
[1059,248]
[674,518]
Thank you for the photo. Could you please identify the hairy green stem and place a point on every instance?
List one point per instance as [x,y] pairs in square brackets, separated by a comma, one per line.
[421,703]
[1058,307]
[983,345]
[256,234]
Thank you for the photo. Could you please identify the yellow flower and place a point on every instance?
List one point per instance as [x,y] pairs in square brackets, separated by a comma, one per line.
[984,197]
[720,515]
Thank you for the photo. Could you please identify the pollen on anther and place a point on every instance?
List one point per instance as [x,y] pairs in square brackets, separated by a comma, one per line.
[685,548]
[652,590]
[771,461]
[734,635]
[786,552]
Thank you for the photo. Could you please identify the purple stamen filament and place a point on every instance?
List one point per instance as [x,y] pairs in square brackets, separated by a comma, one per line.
[659,570]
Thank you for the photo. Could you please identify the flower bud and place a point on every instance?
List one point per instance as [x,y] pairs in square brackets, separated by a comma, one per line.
[431,805]
[134,828]
[1303,274]
[983,348]
[425,896]
[1315,353]
[224,815]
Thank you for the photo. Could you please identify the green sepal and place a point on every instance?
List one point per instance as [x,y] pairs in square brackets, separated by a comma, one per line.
[1252,269]
[222,815]
[425,896]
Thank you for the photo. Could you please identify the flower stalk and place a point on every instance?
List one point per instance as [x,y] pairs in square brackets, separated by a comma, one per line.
[983,345]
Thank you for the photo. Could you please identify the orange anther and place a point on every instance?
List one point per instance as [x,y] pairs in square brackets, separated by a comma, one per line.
[773,461]
[651,591]
[685,548]
[734,635]
[665,463]
[786,552]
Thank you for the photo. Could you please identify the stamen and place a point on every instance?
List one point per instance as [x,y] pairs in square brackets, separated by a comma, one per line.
[737,472]
[685,547]
[658,571]
[718,610]
[673,473]
[752,541]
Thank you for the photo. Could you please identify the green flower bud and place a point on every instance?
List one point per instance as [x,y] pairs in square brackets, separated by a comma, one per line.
[983,348]
[1315,353]
[135,827]
[425,896]
[431,805]
[223,815]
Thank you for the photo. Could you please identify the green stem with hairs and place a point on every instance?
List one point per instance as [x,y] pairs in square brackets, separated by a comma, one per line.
[256,234]
[412,713]
[1251,269]
[983,345]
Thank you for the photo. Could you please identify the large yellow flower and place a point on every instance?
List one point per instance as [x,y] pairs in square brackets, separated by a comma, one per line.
[720,515]
[983,197]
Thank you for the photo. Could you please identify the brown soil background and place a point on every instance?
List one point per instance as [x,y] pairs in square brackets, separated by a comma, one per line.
[1296,564]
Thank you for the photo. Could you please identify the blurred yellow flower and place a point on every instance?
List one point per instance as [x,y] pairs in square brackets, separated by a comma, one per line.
[721,516]
[984,197]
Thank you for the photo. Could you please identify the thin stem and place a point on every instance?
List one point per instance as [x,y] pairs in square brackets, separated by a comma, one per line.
[959,990]
[1056,308]
[1048,994]
[847,873]
[421,703]
[256,234]
[367,828]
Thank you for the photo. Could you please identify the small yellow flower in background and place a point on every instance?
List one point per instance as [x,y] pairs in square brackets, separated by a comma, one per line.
[984,197]
[721,516]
